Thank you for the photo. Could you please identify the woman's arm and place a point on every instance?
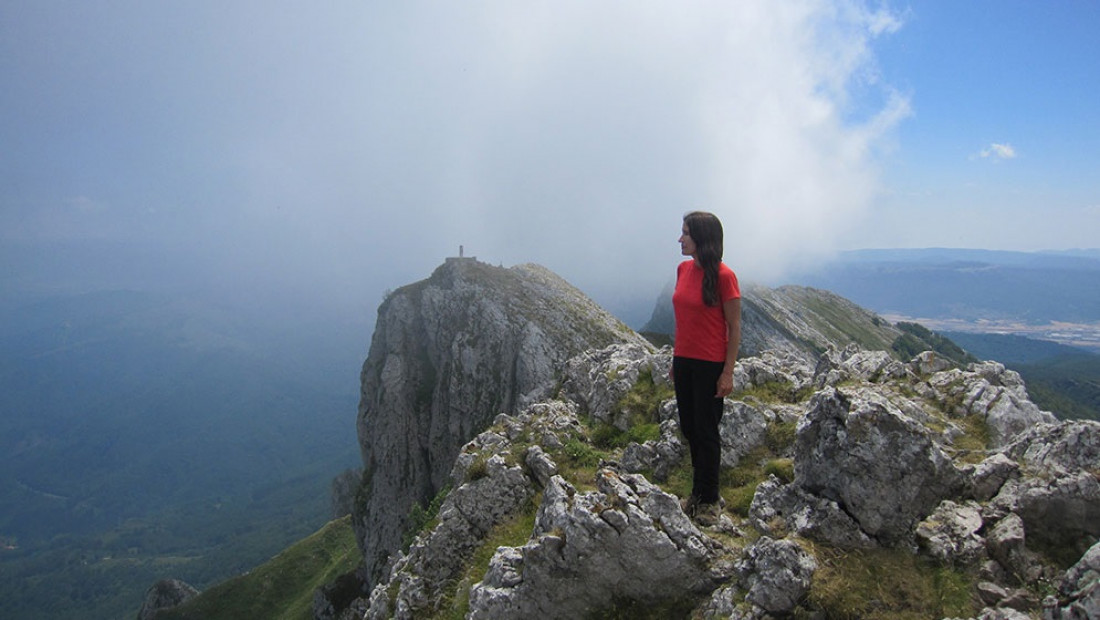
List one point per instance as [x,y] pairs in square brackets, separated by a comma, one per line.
[732,310]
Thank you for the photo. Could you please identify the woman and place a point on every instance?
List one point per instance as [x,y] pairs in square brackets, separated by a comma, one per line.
[707,303]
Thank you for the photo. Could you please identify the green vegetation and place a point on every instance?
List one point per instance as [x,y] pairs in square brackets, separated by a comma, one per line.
[916,339]
[282,588]
[147,437]
[106,575]
[513,532]
[421,518]
[774,392]
[888,584]
[841,320]
[621,609]
[974,441]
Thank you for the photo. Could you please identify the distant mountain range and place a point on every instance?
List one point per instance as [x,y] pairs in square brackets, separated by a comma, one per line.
[1046,295]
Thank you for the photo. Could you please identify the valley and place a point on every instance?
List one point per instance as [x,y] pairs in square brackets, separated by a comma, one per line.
[1080,335]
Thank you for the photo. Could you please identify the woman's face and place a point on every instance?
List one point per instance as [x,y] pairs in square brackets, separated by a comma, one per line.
[687,245]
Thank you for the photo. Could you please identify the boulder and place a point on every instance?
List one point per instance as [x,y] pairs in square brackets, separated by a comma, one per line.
[776,574]
[777,508]
[628,540]
[951,534]
[881,467]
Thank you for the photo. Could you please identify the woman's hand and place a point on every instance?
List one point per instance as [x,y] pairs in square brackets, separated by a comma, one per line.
[725,385]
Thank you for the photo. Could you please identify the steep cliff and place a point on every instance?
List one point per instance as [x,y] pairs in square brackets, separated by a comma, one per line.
[448,354]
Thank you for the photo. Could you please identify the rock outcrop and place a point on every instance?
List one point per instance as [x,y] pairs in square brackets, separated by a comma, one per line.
[855,451]
[448,354]
[165,594]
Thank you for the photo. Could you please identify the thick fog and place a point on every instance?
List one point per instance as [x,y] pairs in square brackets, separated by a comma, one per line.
[331,151]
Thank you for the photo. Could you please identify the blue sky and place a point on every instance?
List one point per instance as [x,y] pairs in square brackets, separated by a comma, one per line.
[1022,75]
[343,148]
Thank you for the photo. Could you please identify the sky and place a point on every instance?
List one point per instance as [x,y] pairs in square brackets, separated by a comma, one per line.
[332,151]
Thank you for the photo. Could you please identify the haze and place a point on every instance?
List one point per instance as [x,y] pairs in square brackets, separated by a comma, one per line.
[328,152]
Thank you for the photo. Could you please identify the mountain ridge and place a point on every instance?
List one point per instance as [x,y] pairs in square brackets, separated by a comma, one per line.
[814,444]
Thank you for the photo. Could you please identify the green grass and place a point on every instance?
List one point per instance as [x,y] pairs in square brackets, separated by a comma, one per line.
[281,589]
[888,584]
[513,532]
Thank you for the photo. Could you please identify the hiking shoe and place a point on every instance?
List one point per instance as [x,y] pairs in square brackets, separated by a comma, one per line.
[689,504]
[707,515]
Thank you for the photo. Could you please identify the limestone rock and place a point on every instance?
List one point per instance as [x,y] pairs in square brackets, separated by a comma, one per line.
[928,363]
[1060,511]
[658,456]
[994,393]
[1059,448]
[626,541]
[742,428]
[165,594]
[778,507]
[987,479]
[776,574]
[448,354]
[437,558]
[598,379]
[878,465]
[951,534]
[1079,591]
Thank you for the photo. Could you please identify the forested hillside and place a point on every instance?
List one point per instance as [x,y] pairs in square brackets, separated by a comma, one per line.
[145,436]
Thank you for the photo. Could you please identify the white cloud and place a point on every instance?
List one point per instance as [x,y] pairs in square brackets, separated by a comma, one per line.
[998,151]
[371,139]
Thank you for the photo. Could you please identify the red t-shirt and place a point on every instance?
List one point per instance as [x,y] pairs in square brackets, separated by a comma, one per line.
[701,331]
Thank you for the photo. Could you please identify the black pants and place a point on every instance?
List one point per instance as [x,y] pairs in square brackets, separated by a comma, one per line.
[696,382]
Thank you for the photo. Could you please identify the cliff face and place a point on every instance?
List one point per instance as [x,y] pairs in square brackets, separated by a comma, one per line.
[448,354]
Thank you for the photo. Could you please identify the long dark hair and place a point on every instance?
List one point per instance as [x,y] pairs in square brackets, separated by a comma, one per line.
[706,232]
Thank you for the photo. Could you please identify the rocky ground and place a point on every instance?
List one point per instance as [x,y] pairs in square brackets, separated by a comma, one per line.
[833,473]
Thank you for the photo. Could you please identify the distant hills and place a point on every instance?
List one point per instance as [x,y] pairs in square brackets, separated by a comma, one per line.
[973,285]
[146,434]
[1036,312]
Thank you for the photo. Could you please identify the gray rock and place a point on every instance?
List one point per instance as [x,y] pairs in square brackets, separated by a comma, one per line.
[626,541]
[1060,448]
[448,354]
[989,476]
[658,456]
[437,558]
[541,465]
[165,594]
[598,379]
[928,363]
[1079,591]
[1060,511]
[1006,543]
[804,514]
[951,534]
[776,574]
[995,394]
[774,369]
[878,465]
[742,429]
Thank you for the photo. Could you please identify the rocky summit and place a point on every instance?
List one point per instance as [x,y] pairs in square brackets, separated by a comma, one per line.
[522,458]
[448,354]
